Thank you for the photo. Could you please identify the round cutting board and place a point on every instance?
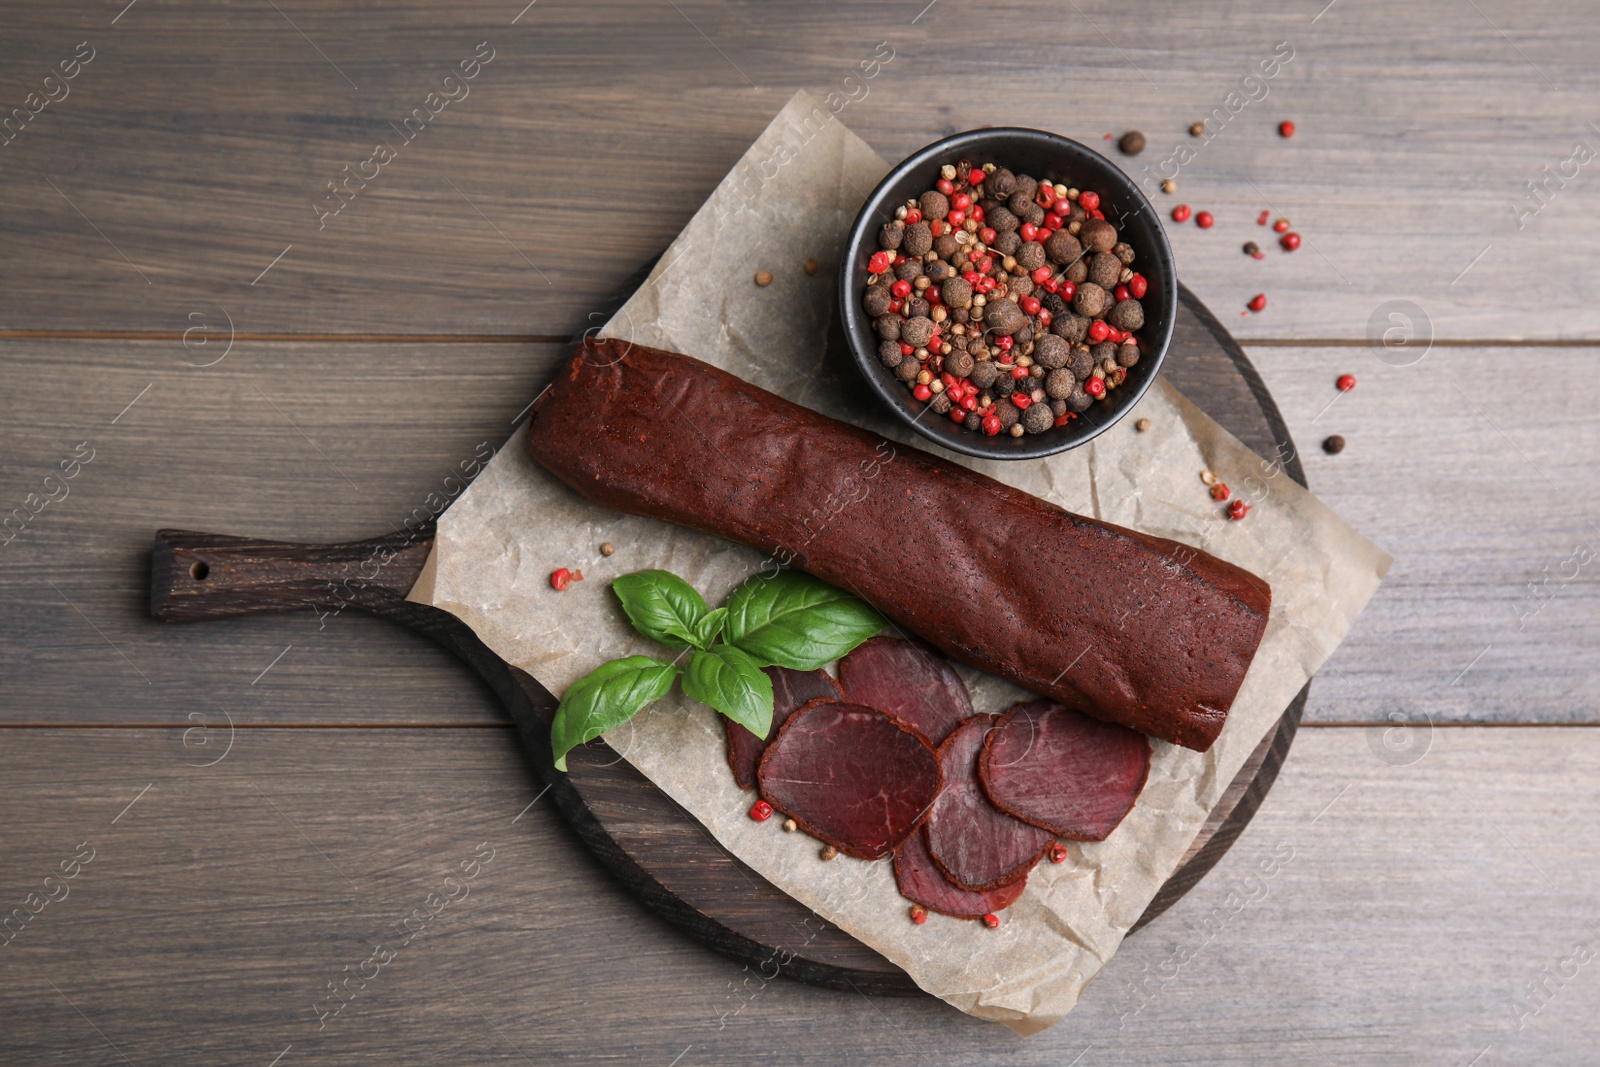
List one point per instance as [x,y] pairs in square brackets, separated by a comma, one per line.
[665,856]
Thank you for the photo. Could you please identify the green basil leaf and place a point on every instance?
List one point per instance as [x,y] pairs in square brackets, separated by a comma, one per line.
[797,621]
[662,606]
[607,697]
[710,628]
[732,682]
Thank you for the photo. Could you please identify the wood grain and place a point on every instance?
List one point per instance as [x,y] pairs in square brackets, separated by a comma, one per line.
[1399,925]
[192,150]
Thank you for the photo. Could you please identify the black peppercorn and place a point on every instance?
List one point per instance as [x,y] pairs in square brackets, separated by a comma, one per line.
[1124,252]
[891,235]
[1004,385]
[1030,256]
[908,370]
[1002,183]
[939,270]
[1009,415]
[917,307]
[982,374]
[888,327]
[908,270]
[1019,203]
[1026,186]
[1007,243]
[1127,354]
[1082,362]
[940,404]
[1132,143]
[1079,400]
[1035,215]
[1069,327]
[1333,445]
[1078,273]
[889,352]
[1002,219]
[974,422]
[1101,352]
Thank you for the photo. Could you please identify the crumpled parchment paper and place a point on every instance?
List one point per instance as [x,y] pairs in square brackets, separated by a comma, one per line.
[793,197]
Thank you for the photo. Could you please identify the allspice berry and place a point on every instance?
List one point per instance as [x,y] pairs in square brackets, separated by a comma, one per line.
[763,277]
[889,354]
[960,363]
[1060,384]
[945,246]
[1333,445]
[1089,301]
[1127,354]
[1001,184]
[918,331]
[1007,243]
[889,237]
[1069,327]
[1001,220]
[1051,352]
[1037,419]
[1004,317]
[919,238]
[956,292]
[934,204]
[1132,143]
[1062,247]
[1077,272]
[908,370]
[1020,203]
[888,327]
[1104,270]
[1030,256]
[876,300]
[1127,315]
[1098,234]
[1079,400]
[1082,363]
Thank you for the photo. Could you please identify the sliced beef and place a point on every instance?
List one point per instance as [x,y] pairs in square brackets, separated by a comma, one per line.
[921,881]
[911,682]
[850,775]
[1063,771]
[975,844]
[790,689]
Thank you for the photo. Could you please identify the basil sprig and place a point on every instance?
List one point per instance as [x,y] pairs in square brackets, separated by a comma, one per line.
[789,620]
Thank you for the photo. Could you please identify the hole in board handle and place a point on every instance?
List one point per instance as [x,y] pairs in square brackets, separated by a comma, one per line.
[199,569]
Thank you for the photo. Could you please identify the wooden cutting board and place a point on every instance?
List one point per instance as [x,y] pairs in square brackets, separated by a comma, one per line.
[651,844]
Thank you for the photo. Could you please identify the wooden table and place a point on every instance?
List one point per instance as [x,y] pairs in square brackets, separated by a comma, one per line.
[1432,836]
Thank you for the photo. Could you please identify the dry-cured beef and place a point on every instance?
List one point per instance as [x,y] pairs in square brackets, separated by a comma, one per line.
[790,689]
[914,684]
[975,844]
[1063,771]
[922,882]
[1134,629]
[850,776]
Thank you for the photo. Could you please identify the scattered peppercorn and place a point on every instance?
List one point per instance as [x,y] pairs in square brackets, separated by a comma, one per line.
[1196,129]
[1333,445]
[1180,213]
[1290,241]
[1058,853]
[1209,477]
[761,811]
[991,920]
[1253,249]
[1143,425]
[919,914]
[1286,129]
[1132,143]
[1261,220]
[1205,220]
[790,826]
[811,266]
[829,853]
[763,277]
[1169,186]
[1258,302]
[1281,226]
[561,577]
[606,548]
[1220,491]
[1346,382]
[1238,510]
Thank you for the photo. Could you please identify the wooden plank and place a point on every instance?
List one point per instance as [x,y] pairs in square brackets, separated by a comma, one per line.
[310,442]
[1489,499]
[148,195]
[1406,910]
[1470,521]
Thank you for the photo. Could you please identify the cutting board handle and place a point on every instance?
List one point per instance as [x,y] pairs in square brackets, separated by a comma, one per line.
[197,576]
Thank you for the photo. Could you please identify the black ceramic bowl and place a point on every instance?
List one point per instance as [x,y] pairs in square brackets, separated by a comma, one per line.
[1043,156]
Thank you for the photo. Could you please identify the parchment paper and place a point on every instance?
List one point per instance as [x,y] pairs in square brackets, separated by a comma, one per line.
[793,196]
